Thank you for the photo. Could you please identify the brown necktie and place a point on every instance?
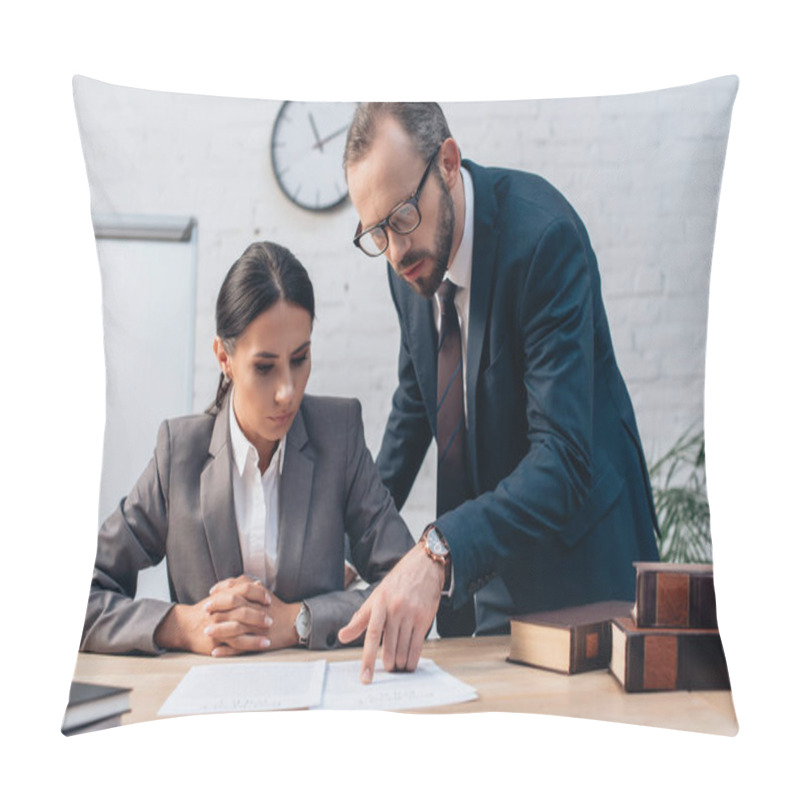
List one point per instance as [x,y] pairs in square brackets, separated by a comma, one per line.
[452,481]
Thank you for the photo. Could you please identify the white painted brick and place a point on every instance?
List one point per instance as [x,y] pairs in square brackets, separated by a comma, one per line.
[641,170]
[637,367]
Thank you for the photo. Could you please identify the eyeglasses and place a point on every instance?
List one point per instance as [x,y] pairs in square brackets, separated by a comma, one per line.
[404,218]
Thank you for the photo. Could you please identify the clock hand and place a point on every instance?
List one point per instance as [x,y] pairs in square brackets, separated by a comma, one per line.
[331,136]
[314,128]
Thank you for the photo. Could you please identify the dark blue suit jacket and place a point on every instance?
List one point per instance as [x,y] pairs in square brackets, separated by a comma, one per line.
[563,505]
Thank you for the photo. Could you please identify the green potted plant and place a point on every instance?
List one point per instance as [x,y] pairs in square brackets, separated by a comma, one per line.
[679,491]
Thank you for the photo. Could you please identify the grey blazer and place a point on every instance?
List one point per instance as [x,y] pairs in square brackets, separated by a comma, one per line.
[182,508]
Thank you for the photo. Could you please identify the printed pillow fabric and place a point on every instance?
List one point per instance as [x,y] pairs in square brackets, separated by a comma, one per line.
[181,184]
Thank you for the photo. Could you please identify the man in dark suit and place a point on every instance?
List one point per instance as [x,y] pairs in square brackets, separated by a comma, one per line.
[543,496]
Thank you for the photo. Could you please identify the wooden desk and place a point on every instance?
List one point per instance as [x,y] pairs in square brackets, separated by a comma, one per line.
[479,662]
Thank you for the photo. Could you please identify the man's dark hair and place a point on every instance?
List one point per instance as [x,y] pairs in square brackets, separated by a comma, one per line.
[423,122]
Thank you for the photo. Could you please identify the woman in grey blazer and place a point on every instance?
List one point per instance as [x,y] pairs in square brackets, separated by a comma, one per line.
[249,502]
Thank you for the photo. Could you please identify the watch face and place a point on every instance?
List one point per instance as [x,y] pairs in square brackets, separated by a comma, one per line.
[435,544]
[307,148]
[303,622]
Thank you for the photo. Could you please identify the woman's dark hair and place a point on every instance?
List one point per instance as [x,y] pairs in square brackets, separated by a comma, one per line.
[264,274]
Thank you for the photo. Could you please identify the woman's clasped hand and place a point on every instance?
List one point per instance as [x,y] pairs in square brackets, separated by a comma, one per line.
[238,616]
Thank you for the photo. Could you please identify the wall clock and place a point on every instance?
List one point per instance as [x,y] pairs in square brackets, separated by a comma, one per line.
[307,148]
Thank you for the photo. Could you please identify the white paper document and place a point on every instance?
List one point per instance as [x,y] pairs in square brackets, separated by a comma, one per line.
[247,687]
[427,686]
[315,684]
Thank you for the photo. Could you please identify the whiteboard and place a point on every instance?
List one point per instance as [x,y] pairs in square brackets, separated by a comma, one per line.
[148,289]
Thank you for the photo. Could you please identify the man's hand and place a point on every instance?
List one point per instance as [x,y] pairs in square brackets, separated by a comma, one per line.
[401,610]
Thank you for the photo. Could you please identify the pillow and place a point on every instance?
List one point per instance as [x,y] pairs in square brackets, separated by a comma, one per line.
[181,184]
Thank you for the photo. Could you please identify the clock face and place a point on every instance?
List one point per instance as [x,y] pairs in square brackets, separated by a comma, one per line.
[307,148]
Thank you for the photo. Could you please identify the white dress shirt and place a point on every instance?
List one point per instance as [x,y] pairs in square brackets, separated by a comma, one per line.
[255,499]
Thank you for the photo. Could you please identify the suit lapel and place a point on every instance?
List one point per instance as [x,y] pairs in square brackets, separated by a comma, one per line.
[484,247]
[216,502]
[294,494]
[424,353]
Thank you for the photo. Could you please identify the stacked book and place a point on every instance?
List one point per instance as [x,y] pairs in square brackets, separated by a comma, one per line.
[671,640]
[667,639]
[93,707]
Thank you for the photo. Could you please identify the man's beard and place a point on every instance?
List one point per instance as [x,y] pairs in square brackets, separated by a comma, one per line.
[428,284]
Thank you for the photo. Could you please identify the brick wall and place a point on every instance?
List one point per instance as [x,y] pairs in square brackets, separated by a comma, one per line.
[642,170]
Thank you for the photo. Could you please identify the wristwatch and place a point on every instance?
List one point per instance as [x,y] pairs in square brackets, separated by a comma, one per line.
[303,624]
[436,548]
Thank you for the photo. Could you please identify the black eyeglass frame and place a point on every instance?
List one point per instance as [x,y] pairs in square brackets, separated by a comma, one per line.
[386,222]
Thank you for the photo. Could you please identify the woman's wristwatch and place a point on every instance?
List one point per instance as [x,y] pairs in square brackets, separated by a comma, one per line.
[302,624]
